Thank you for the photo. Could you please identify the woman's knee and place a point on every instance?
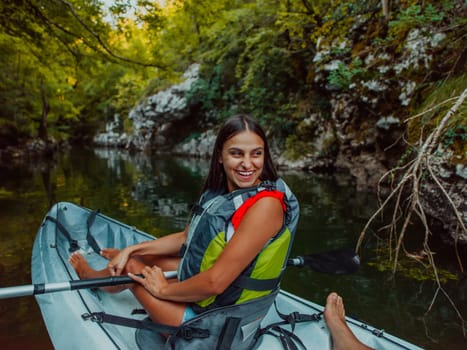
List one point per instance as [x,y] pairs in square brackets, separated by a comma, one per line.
[134,265]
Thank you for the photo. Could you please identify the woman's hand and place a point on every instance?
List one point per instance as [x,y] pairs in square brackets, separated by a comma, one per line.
[118,263]
[153,280]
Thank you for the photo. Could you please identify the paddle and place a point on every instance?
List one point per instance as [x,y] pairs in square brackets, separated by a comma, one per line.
[42,288]
[337,262]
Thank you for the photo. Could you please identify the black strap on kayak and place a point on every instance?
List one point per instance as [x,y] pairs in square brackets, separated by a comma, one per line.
[89,237]
[296,317]
[73,243]
[288,339]
[185,332]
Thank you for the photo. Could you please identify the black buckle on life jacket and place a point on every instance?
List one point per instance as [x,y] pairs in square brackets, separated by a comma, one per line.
[268,185]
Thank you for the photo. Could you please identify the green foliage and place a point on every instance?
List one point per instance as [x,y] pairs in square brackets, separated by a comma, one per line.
[80,80]
[296,147]
[436,103]
[207,92]
[343,76]
[256,56]
[453,134]
[246,66]
[412,266]
[5,194]
[415,16]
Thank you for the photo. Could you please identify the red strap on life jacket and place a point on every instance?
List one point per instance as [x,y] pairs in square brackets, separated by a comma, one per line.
[240,212]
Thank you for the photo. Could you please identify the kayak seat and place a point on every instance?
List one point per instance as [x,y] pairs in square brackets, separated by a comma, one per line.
[229,327]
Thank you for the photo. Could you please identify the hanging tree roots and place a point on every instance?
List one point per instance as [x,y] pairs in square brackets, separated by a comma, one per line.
[405,200]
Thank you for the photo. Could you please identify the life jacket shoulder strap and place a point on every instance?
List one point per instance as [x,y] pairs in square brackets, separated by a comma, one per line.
[247,204]
[255,284]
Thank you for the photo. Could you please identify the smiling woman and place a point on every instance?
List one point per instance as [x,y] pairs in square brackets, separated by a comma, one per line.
[218,267]
[241,151]
[243,159]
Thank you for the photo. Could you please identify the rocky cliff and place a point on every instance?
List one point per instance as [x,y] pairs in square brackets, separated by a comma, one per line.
[362,130]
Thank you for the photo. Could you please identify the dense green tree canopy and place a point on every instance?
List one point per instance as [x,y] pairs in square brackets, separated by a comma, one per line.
[69,65]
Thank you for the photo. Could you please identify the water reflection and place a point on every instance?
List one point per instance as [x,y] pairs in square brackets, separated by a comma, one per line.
[168,187]
[155,194]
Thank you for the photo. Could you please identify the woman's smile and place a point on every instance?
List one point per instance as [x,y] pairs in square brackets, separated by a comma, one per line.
[243,160]
[245,175]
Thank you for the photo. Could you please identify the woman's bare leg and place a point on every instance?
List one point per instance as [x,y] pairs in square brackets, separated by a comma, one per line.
[166,263]
[85,271]
[342,336]
[161,311]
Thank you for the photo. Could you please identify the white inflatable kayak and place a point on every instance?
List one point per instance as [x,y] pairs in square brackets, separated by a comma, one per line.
[64,312]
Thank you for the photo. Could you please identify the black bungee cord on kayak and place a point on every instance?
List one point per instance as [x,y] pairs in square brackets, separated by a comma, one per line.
[185,332]
[89,237]
[288,338]
[74,246]
[73,242]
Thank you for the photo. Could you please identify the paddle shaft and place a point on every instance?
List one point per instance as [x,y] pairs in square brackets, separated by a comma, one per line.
[43,288]
[341,261]
[336,262]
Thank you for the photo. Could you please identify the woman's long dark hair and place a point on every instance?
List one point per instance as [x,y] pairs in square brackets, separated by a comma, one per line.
[216,180]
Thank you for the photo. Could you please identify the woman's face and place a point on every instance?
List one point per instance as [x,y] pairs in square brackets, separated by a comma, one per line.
[243,158]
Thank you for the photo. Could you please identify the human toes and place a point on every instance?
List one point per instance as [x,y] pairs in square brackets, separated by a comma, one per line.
[75,256]
[76,260]
[109,253]
[332,300]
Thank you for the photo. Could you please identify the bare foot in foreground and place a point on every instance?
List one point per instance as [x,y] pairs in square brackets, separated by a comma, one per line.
[342,336]
[109,253]
[85,271]
[81,266]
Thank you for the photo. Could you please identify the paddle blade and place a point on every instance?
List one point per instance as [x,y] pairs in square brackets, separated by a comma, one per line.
[337,262]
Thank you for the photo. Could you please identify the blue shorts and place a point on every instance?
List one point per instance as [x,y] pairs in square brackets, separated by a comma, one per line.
[189,314]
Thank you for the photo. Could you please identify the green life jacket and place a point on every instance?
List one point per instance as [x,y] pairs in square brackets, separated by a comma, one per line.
[212,226]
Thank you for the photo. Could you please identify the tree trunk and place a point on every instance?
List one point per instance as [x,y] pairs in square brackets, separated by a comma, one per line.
[385,5]
[42,129]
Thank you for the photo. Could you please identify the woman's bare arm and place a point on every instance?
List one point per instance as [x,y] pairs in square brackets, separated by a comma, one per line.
[261,222]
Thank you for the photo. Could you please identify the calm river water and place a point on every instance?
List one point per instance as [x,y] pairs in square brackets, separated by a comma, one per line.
[154,195]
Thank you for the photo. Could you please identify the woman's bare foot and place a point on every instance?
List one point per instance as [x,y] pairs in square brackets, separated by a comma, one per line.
[109,253]
[342,336]
[80,265]
[85,271]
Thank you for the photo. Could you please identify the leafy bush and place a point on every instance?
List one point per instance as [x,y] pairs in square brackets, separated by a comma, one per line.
[415,16]
[343,76]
